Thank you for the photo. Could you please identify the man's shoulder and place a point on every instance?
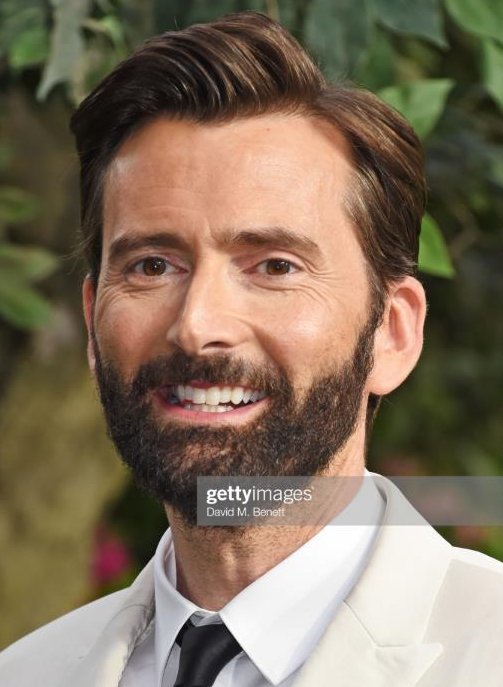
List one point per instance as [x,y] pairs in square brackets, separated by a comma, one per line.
[428,582]
[467,620]
[474,580]
[48,651]
[475,562]
[467,564]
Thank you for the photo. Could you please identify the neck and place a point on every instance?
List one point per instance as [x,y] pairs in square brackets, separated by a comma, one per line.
[214,564]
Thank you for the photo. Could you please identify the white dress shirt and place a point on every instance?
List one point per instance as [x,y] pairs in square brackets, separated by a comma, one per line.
[277,620]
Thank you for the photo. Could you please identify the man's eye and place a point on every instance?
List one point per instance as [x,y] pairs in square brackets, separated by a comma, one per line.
[276,267]
[151,267]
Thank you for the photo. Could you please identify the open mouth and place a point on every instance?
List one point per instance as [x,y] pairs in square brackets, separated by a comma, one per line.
[211,399]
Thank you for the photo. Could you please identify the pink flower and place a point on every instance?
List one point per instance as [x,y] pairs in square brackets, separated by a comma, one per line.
[110,558]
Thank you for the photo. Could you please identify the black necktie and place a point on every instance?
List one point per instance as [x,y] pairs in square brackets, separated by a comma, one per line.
[205,650]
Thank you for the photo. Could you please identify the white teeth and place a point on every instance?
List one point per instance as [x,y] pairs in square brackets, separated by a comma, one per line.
[237,395]
[225,394]
[199,395]
[213,396]
[203,408]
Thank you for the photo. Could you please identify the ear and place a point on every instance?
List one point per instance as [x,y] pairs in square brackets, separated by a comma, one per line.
[88,296]
[399,339]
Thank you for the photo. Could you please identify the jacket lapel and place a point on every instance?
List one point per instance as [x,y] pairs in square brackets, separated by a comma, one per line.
[347,655]
[376,637]
[103,665]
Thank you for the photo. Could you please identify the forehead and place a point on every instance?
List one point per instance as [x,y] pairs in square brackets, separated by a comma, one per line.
[275,170]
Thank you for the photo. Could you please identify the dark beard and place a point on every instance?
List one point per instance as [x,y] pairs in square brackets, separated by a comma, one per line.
[289,437]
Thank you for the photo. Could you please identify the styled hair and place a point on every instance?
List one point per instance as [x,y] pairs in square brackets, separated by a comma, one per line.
[247,65]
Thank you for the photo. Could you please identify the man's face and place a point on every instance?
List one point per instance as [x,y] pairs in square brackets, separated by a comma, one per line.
[228,262]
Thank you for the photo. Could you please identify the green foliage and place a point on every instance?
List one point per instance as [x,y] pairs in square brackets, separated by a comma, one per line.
[377,68]
[433,254]
[20,303]
[481,17]
[26,263]
[110,27]
[493,69]
[67,44]
[24,41]
[16,206]
[24,38]
[85,43]
[20,266]
[440,63]
[421,102]
[341,49]
[30,48]
[422,19]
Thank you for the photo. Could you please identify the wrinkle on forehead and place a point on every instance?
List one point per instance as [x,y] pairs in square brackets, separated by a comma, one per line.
[281,170]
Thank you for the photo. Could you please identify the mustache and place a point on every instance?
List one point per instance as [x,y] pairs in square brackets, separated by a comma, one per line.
[217,369]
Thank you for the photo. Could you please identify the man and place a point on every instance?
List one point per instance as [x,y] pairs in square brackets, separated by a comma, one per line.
[252,236]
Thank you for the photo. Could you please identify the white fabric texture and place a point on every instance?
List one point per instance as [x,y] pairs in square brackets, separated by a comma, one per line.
[421,614]
[278,619]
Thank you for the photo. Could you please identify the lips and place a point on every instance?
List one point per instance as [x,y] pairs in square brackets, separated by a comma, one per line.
[211,399]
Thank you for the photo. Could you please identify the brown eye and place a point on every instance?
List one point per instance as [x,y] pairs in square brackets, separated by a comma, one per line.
[277,267]
[153,267]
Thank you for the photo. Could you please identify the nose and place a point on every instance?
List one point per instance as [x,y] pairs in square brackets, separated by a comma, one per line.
[210,316]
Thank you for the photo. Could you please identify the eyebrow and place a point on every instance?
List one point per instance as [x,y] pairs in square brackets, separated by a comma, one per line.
[271,236]
[124,245]
[275,237]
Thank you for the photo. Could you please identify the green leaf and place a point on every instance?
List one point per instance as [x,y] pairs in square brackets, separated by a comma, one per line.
[30,48]
[378,68]
[492,69]
[482,17]
[111,27]
[338,33]
[421,102]
[67,44]
[16,205]
[27,262]
[22,306]
[20,18]
[177,14]
[423,19]
[433,253]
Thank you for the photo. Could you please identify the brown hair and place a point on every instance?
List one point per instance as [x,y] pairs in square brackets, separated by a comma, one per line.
[245,65]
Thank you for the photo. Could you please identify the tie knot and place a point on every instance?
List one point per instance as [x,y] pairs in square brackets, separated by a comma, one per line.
[205,650]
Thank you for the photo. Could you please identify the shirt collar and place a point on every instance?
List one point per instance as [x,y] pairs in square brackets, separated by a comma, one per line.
[280,617]
[172,608]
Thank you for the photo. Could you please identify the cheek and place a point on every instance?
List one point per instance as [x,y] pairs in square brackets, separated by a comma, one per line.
[130,332]
[305,340]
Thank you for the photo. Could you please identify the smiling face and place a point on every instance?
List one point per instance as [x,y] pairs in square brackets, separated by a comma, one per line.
[196,218]
[230,269]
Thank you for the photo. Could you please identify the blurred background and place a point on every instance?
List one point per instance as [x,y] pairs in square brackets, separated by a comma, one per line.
[72,527]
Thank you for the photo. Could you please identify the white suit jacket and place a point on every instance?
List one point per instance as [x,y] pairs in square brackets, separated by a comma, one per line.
[422,614]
